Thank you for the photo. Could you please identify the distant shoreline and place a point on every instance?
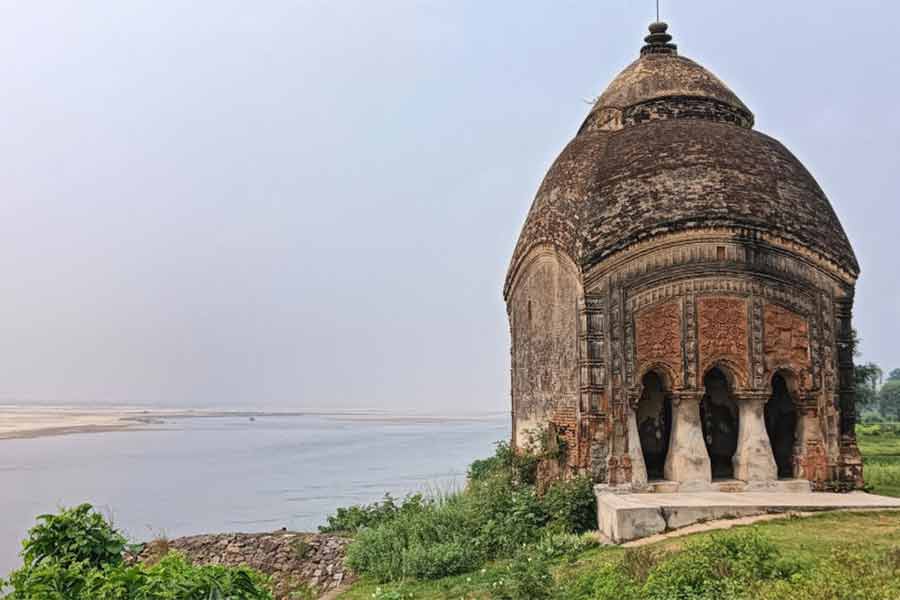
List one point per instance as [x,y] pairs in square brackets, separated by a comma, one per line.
[20,422]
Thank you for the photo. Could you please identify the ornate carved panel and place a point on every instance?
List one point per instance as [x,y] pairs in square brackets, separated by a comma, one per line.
[658,338]
[690,341]
[756,346]
[787,342]
[593,354]
[723,334]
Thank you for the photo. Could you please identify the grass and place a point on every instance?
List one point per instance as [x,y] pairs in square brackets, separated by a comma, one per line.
[812,542]
[880,447]
[809,540]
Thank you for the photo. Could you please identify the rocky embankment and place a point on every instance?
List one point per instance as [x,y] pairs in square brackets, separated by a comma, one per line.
[294,561]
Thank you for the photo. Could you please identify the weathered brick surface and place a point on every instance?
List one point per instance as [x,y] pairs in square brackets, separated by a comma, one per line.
[668,203]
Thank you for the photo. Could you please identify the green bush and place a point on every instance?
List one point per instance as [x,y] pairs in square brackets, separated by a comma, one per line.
[429,543]
[76,535]
[568,545]
[571,506]
[849,574]
[723,566]
[717,567]
[506,462]
[439,560]
[353,518]
[527,578]
[77,555]
[497,515]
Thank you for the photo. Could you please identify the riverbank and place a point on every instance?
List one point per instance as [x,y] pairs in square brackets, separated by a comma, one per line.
[25,422]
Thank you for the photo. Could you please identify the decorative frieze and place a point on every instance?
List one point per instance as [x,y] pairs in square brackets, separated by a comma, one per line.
[756,343]
[722,333]
[658,338]
[787,343]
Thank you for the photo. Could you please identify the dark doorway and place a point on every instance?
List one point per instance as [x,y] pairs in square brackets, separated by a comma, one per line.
[719,417]
[654,417]
[781,425]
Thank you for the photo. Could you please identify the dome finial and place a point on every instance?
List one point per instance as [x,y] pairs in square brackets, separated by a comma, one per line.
[659,42]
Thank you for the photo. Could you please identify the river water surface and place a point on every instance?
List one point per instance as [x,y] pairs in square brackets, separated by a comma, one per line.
[207,475]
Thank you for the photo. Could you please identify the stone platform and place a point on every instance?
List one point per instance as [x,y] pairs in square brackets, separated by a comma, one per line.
[625,517]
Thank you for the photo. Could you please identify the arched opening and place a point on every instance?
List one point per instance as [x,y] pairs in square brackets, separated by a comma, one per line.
[781,425]
[719,418]
[654,418]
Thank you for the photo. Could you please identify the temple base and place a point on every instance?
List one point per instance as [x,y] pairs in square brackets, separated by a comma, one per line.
[623,517]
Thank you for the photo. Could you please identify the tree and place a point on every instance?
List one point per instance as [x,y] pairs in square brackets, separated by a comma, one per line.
[868,378]
[894,375]
[889,398]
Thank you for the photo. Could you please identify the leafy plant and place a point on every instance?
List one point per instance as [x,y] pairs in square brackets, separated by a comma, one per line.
[351,519]
[571,505]
[528,578]
[76,535]
[77,555]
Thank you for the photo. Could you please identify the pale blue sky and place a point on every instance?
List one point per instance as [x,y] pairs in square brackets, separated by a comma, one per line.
[312,204]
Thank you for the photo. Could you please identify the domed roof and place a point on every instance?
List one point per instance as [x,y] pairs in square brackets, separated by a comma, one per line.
[669,147]
[656,76]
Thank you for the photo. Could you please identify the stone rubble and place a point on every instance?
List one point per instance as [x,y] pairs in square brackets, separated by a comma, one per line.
[293,560]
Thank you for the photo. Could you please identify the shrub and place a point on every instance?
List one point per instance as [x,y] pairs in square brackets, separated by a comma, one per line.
[506,462]
[571,505]
[76,535]
[849,574]
[77,555]
[351,519]
[429,543]
[439,560]
[497,514]
[611,582]
[714,568]
[528,578]
[569,545]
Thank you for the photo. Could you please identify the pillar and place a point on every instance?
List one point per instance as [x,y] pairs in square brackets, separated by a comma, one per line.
[687,460]
[754,459]
[636,452]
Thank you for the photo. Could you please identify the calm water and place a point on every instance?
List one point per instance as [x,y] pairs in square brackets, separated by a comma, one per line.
[230,474]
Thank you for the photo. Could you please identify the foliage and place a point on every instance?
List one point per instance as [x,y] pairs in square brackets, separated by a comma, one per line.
[568,545]
[431,542]
[889,399]
[849,574]
[494,517]
[76,535]
[353,518]
[867,378]
[77,555]
[521,466]
[571,505]
[880,446]
[718,567]
[527,578]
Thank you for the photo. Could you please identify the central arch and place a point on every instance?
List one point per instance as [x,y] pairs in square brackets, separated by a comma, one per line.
[654,420]
[781,425]
[719,419]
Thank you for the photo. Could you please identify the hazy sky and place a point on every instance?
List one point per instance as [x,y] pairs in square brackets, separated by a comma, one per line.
[312,203]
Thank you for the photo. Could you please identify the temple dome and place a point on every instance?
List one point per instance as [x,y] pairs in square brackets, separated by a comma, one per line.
[669,147]
[655,76]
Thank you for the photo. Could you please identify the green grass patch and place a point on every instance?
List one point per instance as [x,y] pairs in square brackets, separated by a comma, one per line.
[832,556]
[880,447]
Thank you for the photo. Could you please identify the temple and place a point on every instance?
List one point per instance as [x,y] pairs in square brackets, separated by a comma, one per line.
[680,299]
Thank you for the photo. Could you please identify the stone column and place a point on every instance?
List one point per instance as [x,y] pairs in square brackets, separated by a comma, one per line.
[636,452]
[687,461]
[754,459]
